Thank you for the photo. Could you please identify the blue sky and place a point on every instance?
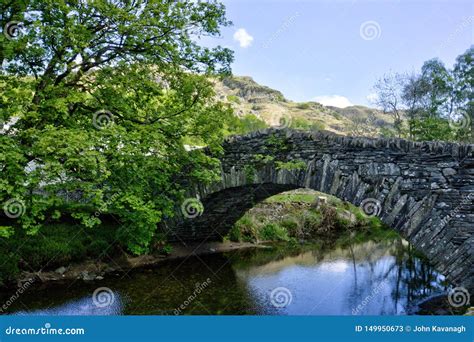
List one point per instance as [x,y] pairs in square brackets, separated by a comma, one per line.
[334,51]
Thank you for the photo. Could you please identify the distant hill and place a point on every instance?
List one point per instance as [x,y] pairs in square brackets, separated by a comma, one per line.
[248,97]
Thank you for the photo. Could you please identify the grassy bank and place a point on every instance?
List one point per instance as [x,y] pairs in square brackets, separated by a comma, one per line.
[304,215]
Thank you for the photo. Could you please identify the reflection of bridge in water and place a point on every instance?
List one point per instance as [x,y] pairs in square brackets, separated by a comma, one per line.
[368,278]
[424,190]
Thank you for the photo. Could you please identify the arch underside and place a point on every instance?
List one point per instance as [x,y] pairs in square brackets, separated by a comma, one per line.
[425,190]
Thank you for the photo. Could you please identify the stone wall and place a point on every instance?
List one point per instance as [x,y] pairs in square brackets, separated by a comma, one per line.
[423,190]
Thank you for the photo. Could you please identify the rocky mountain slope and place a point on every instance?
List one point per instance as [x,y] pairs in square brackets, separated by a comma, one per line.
[248,97]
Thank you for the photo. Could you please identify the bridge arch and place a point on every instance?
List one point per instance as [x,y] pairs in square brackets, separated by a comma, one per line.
[423,190]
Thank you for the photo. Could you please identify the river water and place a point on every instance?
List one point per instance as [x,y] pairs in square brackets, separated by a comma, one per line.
[384,277]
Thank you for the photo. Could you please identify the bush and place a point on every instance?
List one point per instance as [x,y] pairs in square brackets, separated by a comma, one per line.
[245,230]
[293,228]
[274,232]
[56,245]
[303,105]
[233,98]
[307,125]
[8,267]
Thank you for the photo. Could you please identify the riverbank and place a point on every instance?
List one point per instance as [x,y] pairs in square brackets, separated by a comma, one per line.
[240,278]
[91,270]
[288,217]
[297,221]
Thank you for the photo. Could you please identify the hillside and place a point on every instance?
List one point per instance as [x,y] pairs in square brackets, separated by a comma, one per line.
[248,97]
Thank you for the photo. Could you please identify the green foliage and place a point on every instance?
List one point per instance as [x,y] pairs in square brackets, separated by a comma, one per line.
[6,231]
[246,124]
[261,159]
[233,98]
[57,245]
[303,105]
[276,144]
[291,165]
[273,232]
[244,230]
[288,198]
[297,221]
[428,101]
[249,171]
[307,125]
[102,95]
[167,249]
[432,128]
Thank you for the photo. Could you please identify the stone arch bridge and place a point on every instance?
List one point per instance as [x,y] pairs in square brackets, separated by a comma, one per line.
[424,190]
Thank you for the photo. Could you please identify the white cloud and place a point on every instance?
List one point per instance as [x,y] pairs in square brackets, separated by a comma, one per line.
[371,98]
[242,36]
[333,100]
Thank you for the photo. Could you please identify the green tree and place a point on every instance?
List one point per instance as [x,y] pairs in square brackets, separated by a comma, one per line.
[463,95]
[98,96]
[437,103]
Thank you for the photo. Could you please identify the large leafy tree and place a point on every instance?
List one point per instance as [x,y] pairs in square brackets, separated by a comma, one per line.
[436,103]
[97,97]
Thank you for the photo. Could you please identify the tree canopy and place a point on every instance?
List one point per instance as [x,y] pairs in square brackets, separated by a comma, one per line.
[96,100]
[434,104]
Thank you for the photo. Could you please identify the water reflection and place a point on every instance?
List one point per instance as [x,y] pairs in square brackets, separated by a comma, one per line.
[82,307]
[370,278]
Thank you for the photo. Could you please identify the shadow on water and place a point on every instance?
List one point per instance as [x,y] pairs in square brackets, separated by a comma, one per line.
[384,277]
